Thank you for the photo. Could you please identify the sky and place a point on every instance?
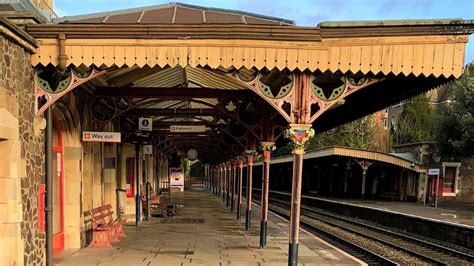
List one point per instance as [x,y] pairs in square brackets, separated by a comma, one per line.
[304,12]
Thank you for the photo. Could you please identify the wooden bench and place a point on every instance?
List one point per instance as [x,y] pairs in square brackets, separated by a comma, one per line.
[105,230]
[389,196]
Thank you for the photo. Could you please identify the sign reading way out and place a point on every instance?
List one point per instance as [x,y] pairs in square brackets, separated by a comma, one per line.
[92,136]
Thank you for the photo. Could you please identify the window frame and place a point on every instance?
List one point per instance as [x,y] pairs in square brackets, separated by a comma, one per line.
[455,165]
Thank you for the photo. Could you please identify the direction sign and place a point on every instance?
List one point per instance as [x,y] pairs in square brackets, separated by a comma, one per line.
[93,136]
[148,149]
[145,124]
[189,128]
[433,171]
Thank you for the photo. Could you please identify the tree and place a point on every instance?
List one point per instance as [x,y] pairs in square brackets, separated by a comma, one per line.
[416,122]
[455,128]
[357,134]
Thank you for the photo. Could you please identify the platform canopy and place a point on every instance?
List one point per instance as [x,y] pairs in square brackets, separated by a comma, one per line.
[243,76]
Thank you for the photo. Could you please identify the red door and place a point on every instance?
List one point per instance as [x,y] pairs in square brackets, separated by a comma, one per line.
[129,176]
[58,188]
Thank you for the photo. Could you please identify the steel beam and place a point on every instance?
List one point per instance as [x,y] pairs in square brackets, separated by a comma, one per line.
[175,93]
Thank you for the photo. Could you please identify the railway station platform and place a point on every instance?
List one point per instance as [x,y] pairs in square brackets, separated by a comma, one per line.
[450,213]
[206,232]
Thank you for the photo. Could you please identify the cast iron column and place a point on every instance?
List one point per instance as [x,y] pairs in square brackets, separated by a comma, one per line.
[224,183]
[365,166]
[233,187]
[248,212]
[48,210]
[137,178]
[299,134]
[267,148]
[239,203]
[227,187]
[229,182]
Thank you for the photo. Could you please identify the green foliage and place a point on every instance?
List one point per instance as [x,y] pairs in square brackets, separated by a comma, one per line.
[357,134]
[416,122]
[455,128]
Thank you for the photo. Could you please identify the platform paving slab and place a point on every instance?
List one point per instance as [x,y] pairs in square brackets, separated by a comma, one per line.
[205,232]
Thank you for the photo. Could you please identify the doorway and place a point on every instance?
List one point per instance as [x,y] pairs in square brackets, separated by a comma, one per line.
[58,187]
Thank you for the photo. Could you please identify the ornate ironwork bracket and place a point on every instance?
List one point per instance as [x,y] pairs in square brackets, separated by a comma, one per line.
[301,97]
[48,96]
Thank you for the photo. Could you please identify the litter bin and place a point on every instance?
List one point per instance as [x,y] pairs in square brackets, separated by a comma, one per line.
[121,202]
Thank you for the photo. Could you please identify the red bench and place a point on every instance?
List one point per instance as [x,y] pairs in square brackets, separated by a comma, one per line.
[105,230]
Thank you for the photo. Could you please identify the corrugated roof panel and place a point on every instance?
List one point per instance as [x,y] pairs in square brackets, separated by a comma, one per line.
[188,16]
[158,16]
[124,18]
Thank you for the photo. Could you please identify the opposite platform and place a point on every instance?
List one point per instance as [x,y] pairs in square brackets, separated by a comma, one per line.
[206,232]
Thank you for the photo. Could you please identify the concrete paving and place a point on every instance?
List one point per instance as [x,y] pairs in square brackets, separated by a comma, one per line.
[206,232]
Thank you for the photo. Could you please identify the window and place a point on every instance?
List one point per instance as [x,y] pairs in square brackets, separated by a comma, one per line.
[450,178]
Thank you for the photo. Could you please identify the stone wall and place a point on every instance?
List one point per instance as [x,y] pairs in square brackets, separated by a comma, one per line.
[466,183]
[22,168]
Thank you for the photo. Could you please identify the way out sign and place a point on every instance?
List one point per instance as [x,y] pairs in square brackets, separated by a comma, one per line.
[92,136]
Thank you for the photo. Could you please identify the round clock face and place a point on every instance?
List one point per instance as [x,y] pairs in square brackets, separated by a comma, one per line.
[192,154]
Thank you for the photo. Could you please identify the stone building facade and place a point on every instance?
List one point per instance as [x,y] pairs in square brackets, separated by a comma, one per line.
[22,151]
[457,175]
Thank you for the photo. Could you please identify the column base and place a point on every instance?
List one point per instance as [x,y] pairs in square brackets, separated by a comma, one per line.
[293,254]
[248,217]
[263,234]
[232,204]
[239,207]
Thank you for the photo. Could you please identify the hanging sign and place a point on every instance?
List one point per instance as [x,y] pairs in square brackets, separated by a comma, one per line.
[147,149]
[145,124]
[433,171]
[92,136]
[189,128]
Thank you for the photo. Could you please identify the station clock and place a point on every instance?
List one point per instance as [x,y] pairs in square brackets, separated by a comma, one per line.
[192,154]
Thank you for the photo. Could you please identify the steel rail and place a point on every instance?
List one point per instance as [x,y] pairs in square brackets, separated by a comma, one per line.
[438,254]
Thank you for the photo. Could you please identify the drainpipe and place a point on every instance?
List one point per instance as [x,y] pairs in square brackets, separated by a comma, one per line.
[62,59]
[49,186]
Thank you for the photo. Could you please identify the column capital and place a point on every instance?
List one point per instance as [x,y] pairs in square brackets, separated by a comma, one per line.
[267,146]
[299,134]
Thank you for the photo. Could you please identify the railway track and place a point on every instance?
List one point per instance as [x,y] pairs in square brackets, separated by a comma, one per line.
[372,243]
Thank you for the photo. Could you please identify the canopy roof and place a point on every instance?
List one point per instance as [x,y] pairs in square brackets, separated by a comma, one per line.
[245,77]
[175,13]
[355,153]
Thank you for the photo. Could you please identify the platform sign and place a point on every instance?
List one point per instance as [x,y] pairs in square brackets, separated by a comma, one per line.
[93,136]
[148,149]
[190,128]
[433,171]
[177,178]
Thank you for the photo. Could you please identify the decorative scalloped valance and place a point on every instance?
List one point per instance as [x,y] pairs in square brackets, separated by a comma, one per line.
[418,55]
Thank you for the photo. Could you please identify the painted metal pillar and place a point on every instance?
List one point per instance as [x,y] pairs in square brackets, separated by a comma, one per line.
[148,201]
[248,212]
[137,178]
[229,176]
[48,210]
[239,203]
[227,180]
[267,148]
[364,180]
[224,180]
[299,134]
[232,185]
[364,164]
